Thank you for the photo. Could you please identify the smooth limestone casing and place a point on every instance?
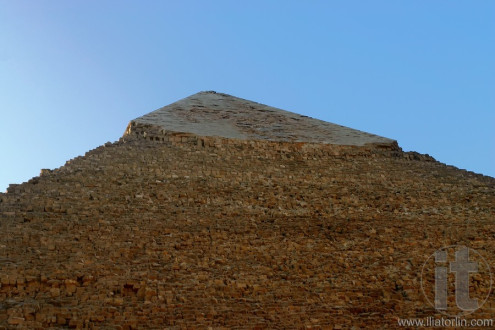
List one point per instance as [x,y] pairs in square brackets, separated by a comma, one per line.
[222,115]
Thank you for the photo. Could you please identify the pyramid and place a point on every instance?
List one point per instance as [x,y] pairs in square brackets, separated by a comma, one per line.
[224,213]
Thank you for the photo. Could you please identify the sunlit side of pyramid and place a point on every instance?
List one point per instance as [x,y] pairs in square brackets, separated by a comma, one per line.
[220,212]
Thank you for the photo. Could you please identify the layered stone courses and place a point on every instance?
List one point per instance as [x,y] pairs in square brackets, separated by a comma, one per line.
[170,230]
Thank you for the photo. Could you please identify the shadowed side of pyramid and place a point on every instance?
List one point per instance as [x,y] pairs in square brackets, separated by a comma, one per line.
[226,116]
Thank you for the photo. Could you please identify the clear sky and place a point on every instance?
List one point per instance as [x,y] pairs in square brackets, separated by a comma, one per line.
[74,73]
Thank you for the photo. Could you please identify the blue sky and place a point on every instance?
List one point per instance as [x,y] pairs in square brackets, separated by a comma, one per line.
[74,73]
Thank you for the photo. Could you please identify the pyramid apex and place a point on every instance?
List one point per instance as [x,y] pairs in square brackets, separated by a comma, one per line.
[210,113]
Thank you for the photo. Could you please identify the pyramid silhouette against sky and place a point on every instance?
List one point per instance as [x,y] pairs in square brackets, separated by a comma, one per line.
[219,212]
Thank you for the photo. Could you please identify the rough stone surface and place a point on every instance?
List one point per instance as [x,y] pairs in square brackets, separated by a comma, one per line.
[217,114]
[175,230]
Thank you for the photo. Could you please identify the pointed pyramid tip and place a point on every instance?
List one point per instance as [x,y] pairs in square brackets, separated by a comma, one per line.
[210,113]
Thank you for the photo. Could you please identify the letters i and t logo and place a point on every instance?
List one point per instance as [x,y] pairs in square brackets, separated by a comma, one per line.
[456,280]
